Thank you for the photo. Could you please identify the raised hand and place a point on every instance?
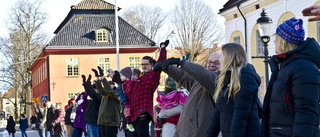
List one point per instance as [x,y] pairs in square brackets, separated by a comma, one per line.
[83,78]
[164,44]
[312,11]
[116,77]
[89,78]
[100,71]
[95,72]
[157,66]
[170,61]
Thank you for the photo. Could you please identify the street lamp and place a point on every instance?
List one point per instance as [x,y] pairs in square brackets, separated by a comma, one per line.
[264,23]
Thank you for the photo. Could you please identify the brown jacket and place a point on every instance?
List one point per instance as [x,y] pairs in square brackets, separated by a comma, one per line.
[195,117]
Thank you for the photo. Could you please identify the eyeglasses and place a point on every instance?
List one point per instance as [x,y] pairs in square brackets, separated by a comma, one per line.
[144,64]
[217,62]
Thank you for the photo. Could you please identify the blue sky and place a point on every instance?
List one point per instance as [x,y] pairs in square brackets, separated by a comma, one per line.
[58,9]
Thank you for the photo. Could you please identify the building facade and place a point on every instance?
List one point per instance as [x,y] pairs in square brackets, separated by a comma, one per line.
[241,27]
[84,40]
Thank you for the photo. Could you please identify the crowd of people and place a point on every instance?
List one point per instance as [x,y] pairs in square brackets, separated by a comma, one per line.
[221,98]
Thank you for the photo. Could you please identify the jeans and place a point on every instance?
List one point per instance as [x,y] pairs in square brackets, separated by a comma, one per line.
[108,131]
[51,133]
[41,132]
[78,133]
[168,129]
[93,130]
[23,133]
[141,126]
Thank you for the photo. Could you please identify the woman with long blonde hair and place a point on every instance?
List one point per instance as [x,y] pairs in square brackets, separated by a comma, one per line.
[236,96]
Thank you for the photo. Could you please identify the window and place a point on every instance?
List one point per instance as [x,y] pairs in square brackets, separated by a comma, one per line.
[72,67]
[104,63]
[236,39]
[134,62]
[71,95]
[259,44]
[102,35]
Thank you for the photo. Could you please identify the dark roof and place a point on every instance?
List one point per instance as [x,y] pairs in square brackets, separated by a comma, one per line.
[79,31]
[94,4]
[230,4]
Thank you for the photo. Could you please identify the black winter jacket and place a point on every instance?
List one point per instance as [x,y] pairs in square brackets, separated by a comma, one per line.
[93,105]
[291,104]
[238,116]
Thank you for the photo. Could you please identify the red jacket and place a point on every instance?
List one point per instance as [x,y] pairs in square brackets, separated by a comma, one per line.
[145,86]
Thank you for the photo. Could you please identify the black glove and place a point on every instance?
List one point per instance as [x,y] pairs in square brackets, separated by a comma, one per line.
[157,66]
[89,78]
[164,44]
[116,77]
[274,63]
[100,71]
[170,61]
[83,78]
[95,72]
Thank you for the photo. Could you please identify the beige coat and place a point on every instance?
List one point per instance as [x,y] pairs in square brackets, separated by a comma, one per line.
[195,117]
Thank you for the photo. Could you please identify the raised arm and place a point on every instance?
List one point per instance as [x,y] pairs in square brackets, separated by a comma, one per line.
[200,74]
[179,76]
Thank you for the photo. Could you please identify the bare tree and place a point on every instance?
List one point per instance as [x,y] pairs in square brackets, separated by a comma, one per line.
[22,48]
[196,27]
[147,20]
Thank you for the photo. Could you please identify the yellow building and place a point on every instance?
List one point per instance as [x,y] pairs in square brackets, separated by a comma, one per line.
[241,27]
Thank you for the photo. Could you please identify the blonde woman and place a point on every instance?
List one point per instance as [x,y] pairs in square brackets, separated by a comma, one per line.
[291,104]
[236,96]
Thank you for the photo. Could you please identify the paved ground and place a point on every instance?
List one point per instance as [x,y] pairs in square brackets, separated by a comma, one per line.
[34,133]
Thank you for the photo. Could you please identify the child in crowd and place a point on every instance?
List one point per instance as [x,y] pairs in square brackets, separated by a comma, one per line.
[23,125]
[124,90]
[170,106]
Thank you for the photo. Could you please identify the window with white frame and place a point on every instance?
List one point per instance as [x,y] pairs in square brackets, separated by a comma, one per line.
[134,62]
[104,63]
[102,35]
[72,67]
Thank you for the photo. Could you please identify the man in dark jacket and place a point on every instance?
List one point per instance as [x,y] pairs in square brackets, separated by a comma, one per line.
[92,110]
[50,120]
[68,121]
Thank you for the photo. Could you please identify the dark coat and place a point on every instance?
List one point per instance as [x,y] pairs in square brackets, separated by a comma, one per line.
[23,123]
[50,115]
[11,126]
[67,118]
[33,119]
[93,104]
[238,116]
[109,112]
[291,104]
[40,116]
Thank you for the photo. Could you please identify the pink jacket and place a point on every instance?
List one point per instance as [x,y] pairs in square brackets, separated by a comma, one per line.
[171,99]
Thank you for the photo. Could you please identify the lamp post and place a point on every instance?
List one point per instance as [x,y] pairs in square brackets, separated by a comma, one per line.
[264,23]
